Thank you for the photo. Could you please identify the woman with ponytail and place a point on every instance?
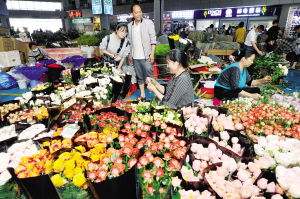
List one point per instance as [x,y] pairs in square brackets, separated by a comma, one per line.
[232,81]
[179,91]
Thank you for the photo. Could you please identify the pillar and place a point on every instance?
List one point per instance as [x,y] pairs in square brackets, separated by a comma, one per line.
[104,19]
[158,15]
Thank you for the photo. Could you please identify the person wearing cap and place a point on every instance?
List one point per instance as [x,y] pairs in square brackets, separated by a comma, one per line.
[251,40]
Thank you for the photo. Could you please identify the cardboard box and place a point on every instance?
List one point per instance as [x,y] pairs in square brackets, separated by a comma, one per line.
[10,58]
[19,45]
[22,48]
[6,44]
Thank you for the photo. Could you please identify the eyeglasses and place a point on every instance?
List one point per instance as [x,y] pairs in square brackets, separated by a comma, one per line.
[125,33]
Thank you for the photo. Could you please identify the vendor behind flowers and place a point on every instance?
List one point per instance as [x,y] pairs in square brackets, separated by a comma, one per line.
[36,54]
[179,92]
[233,80]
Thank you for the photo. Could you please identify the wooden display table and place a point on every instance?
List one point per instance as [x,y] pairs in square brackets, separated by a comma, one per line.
[204,75]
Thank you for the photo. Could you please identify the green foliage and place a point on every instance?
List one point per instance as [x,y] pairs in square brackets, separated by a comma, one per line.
[162,50]
[268,65]
[197,36]
[69,191]
[90,40]
[10,190]
[102,34]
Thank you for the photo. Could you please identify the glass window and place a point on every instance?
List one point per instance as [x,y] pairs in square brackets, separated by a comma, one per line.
[15,5]
[33,5]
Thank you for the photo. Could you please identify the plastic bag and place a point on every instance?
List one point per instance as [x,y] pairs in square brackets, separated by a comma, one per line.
[32,72]
[47,61]
[7,81]
[18,76]
[76,60]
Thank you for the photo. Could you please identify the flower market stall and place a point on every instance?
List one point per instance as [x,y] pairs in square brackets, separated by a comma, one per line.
[74,137]
[62,140]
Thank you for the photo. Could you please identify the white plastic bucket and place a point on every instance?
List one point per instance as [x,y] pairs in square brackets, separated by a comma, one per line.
[22,84]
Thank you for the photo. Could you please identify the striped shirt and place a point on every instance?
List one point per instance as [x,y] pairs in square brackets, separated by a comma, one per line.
[179,91]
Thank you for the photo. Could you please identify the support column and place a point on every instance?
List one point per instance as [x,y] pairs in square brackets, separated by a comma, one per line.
[104,21]
[158,15]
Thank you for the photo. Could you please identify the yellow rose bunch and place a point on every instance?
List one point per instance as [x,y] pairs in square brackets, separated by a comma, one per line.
[36,165]
[71,164]
[58,180]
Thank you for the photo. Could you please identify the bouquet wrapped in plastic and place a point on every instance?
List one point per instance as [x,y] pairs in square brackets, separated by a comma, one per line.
[76,60]
[32,72]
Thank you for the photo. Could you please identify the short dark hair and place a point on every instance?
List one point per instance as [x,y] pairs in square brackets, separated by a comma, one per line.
[135,4]
[239,54]
[261,27]
[31,44]
[176,55]
[121,25]
[270,39]
[297,27]
[275,21]
[241,24]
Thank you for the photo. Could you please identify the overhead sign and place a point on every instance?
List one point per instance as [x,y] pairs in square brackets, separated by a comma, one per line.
[255,11]
[108,7]
[74,13]
[187,14]
[82,20]
[97,7]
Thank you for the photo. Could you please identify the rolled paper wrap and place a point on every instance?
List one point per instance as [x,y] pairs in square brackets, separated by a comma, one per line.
[36,187]
[75,73]
[123,186]
[126,86]
[116,90]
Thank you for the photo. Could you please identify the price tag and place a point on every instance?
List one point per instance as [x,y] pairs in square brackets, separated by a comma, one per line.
[69,103]
[70,130]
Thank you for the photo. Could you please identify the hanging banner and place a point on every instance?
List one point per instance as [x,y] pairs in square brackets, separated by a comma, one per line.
[292,21]
[97,7]
[108,7]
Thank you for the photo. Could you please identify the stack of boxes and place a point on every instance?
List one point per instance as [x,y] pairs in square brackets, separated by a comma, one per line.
[12,52]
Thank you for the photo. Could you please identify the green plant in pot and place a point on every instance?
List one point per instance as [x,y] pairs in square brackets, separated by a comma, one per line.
[161,51]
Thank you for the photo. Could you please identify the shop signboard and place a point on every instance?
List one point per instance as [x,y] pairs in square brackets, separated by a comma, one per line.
[108,7]
[74,13]
[255,11]
[185,14]
[97,7]
[82,20]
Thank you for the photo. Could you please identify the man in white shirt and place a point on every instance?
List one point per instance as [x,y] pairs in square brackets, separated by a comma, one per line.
[143,40]
[251,40]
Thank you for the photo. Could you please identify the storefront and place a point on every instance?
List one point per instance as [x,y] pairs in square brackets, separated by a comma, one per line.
[251,16]
[173,20]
